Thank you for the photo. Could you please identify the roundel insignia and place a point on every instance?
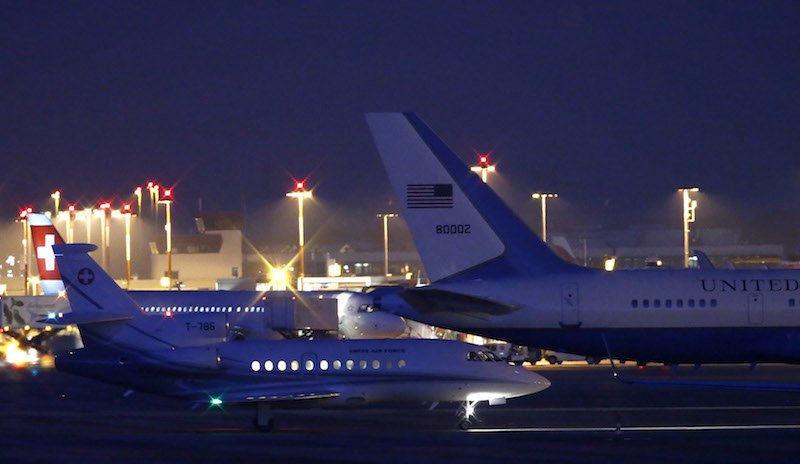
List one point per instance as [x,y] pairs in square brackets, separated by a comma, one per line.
[86,276]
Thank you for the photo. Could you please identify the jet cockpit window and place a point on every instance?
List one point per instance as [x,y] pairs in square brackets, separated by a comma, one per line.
[474,356]
[492,356]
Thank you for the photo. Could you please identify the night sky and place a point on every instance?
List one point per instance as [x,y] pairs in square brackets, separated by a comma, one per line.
[614,105]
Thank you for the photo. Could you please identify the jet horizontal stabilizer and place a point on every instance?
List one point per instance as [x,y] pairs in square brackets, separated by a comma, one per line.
[434,300]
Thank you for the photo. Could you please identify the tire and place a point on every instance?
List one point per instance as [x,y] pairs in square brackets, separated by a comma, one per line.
[552,359]
[464,425]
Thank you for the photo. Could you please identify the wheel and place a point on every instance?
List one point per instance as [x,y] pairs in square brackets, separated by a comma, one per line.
[641,363]
[552,359]
[464,424]
[592,360]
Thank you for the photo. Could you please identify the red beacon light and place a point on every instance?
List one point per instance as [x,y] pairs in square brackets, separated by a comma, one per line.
[126,208]
[299,185]
[484,159]
[105,205]
[168,193]
[168,314]
[149,185]
[71,208]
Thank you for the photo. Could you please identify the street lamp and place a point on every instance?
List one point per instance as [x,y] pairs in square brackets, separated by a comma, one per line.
[300,193]
[56,196]
[23,217]
[544,197]
[167,200]
[87,213]
[153,187]
[483,167]
[126,211]
[386,241]
[105,225]
[138,193]
[70,223]
[689,207]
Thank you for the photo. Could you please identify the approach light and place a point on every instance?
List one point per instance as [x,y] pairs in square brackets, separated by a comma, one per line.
[105,205]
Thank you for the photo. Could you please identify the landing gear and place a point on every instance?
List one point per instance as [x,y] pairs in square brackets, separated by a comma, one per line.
[264,421]
[467,413]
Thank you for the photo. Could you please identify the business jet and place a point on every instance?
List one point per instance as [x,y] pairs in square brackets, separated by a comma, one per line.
[301,372]
[244,310]
[494,277]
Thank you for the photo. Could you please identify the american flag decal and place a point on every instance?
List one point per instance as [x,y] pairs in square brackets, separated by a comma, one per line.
[429,196]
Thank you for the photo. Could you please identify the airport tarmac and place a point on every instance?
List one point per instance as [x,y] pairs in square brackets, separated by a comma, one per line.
[586,416]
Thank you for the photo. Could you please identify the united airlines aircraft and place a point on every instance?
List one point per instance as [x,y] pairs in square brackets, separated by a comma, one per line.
[494,277]
[118,350]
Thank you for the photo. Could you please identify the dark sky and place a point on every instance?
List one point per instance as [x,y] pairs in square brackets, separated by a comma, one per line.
[614,105]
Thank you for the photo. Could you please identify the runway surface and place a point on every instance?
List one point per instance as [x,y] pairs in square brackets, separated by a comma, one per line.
[586,416]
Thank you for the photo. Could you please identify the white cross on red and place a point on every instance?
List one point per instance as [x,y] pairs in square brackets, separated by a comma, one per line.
[45,252]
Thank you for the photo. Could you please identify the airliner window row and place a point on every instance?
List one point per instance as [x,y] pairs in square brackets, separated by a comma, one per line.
[202,309]
[678,303]
[309,365]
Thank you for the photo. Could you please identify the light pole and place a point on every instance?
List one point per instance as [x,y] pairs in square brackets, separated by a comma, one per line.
[56,196]
[138,193]
[386,241]
[105,225]
[544,197]
[23,217]
[167,200]
[689,207]
[483,167]
[70,223]
[300,193]
[153,187]
[126,211]
[87,213]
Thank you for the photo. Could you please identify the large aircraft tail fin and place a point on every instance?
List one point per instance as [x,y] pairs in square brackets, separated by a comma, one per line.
[461,228]
[93,295]
[44,236]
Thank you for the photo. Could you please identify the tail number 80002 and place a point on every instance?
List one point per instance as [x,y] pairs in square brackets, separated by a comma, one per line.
[452,228]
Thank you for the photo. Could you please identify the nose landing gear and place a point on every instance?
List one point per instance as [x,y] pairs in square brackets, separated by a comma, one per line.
[467,414]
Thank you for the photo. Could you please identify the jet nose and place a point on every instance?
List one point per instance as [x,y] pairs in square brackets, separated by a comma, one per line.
[530,381]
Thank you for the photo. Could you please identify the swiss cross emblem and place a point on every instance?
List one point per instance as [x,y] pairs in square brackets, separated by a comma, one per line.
[45,252]
[86,276]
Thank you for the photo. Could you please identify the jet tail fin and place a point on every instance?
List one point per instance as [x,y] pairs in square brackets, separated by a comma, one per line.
[93,295]
[461,228]
[44,235]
